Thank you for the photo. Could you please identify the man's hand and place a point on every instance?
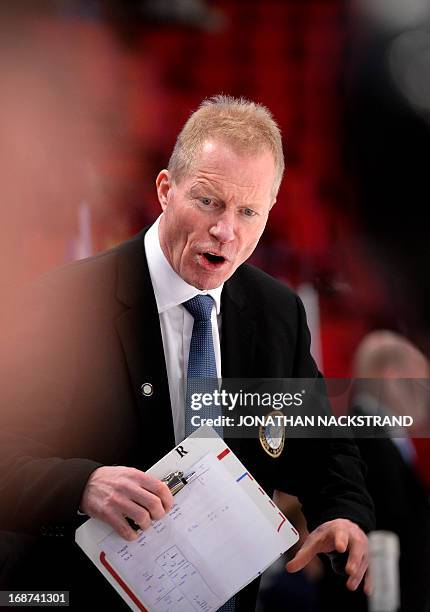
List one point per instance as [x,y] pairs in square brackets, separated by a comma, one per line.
[113,493]
[340,535]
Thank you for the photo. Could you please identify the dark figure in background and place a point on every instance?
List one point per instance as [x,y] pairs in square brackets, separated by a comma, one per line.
[400,495]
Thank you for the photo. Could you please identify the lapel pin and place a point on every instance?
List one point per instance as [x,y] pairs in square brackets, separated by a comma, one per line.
[146,389]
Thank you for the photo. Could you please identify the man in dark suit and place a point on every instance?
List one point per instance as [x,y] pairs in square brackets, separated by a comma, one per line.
[390,372]
[94,369]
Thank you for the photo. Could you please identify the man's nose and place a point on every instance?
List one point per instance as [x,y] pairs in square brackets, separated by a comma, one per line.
[223,230]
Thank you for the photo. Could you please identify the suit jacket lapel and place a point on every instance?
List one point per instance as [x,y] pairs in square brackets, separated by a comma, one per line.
[237,343]
[238,332]
[140,334]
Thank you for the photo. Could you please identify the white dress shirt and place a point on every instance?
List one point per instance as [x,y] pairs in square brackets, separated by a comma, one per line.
[177,323]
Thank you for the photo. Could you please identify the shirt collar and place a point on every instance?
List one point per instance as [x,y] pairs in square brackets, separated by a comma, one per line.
[169,288]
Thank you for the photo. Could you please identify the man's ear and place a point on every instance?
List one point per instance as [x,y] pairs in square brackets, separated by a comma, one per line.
[163,183]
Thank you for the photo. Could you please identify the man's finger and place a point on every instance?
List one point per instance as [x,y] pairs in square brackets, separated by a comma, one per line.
[150,502]
[121,527]
[357,558]
[368,583]
[140,517]
[158,488]
[357,575]
[302,558]
[341,541]
[147,491]
[162,491]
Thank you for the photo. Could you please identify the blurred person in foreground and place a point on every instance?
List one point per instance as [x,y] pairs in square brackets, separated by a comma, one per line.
[392,379]
[78,430]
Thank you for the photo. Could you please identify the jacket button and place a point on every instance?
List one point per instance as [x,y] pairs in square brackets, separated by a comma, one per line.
[146,389]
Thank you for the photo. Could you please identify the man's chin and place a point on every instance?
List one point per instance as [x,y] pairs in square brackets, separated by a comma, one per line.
[203,276]
[207,285]
[208,280]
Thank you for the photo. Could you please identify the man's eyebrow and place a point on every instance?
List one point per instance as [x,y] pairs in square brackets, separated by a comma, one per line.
[205,186]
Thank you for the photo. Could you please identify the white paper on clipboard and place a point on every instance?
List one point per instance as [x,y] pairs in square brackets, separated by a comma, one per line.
[222,533]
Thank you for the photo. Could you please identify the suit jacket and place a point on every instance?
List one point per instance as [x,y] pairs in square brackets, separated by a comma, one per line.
[402,506]
[75,356]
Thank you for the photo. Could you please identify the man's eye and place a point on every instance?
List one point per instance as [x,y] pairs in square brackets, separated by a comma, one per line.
[248,212]
[206,201]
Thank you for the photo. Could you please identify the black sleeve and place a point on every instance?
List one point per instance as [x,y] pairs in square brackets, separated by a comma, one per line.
[326,474]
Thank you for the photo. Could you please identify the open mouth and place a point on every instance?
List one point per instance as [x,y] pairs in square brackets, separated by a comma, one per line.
[214,259]
[211,261]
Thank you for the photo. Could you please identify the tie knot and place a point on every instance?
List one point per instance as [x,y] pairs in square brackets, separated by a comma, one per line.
[200,307]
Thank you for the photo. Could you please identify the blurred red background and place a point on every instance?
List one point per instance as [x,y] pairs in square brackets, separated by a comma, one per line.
[93,95]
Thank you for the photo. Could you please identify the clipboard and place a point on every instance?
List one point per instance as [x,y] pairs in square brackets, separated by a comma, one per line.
[222,532]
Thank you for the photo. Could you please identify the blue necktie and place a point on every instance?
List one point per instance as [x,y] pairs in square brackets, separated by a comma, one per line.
[202,374]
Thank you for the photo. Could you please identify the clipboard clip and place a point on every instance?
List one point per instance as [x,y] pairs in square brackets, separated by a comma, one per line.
[177,481]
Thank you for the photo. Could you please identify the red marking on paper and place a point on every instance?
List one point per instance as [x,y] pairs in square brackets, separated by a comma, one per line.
[261,490]
[223,454]
[121,582]
[283,520]
[295,531]
[272,503]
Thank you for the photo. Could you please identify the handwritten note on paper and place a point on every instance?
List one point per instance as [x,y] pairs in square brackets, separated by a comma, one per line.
[212,543]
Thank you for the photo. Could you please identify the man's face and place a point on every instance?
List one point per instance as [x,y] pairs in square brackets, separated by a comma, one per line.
[213,219]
